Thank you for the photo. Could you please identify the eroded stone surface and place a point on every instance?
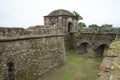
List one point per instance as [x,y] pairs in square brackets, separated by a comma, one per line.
[33,54]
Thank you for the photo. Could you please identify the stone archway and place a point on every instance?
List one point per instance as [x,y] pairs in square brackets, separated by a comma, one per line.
[99,51]
[69,27]
[82,48]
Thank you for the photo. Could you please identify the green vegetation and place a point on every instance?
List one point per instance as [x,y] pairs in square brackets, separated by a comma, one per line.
[106,26]
[93,26]
[102,26]
[77,67]
[81,24]
[77,15]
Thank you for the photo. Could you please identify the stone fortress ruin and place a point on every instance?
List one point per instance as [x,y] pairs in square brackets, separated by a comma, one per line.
[29,54]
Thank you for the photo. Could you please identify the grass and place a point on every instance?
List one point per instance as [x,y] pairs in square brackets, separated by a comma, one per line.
[77,67]
[115,47]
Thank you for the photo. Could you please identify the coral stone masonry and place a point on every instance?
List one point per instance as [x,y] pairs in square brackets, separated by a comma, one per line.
[29,55]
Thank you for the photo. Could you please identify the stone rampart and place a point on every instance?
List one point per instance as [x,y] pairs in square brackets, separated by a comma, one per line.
[100,30]
[30,54]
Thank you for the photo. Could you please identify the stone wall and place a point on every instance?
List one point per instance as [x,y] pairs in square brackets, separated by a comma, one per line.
[29,55]
[70,41]
[100,30]
[98,42]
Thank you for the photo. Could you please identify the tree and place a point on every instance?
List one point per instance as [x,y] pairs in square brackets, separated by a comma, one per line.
[93,26]
[77,15]
[106,26]
[81,24]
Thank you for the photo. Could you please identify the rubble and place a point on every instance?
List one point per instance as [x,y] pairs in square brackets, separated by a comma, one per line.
[110,68]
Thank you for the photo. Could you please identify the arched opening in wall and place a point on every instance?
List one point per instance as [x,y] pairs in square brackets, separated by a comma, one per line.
[10,65]
[69,27]
[99,52]
[84,48]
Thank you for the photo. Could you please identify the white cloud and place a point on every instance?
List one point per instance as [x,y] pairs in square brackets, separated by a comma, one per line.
[26,13]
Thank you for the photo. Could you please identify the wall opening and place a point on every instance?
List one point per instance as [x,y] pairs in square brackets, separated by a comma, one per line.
[82,49]
[99,52]
[69,27]
[10,65]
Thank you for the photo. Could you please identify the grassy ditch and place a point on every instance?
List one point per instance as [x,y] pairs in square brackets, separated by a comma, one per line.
[77,67]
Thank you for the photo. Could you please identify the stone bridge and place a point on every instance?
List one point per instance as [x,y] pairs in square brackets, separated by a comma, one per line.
[96,38]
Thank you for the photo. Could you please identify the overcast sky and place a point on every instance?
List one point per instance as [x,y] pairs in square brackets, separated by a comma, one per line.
[25,13]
